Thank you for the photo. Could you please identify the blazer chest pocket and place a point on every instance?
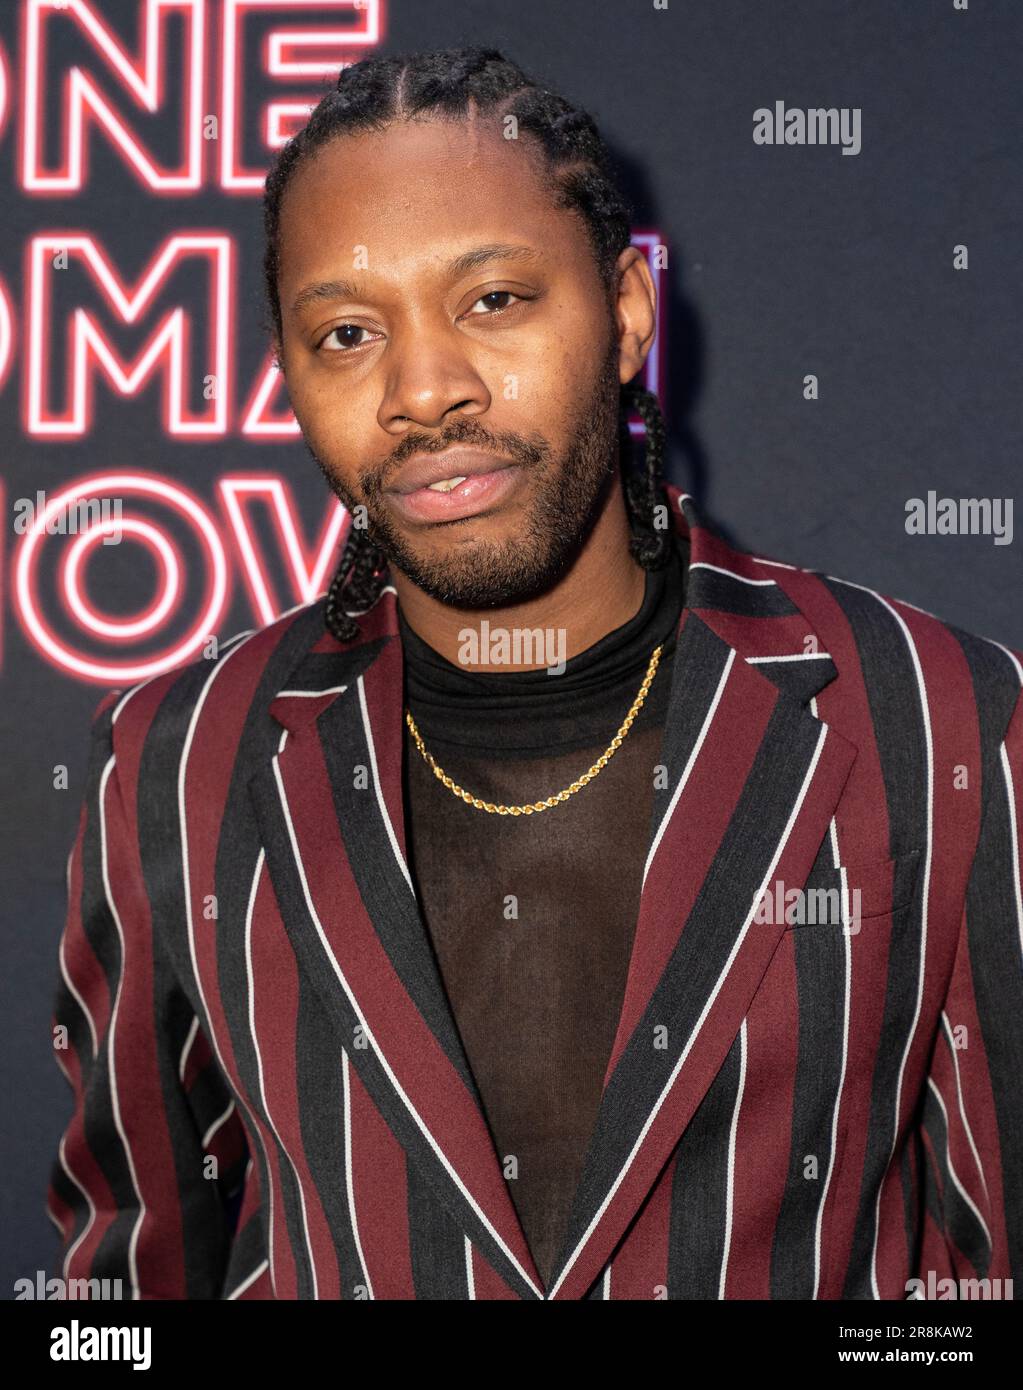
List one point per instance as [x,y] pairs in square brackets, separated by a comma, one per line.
[858,890]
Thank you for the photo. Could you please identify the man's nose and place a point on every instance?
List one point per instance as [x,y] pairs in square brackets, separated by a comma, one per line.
[428,376]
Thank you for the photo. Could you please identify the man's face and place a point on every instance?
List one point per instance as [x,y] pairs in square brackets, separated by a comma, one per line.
[512,359]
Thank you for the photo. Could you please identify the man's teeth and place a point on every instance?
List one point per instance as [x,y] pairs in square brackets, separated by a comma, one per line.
[446,484]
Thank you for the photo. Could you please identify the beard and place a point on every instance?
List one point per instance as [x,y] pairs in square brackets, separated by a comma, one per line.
[567,496]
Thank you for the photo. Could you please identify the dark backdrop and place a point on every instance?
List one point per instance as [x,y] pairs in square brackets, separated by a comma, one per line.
[783,262]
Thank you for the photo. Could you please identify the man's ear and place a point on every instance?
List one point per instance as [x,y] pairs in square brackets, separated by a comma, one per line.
[635,312]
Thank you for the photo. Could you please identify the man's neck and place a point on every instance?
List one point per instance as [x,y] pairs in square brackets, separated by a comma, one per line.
[603,588]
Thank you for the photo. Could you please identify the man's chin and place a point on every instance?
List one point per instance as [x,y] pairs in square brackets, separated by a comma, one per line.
[485,574]
[463,568]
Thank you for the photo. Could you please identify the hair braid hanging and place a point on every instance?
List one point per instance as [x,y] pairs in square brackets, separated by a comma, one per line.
[650,544]
[357,582]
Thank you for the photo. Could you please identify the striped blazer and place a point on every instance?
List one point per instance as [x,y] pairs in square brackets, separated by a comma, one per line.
[814,1089]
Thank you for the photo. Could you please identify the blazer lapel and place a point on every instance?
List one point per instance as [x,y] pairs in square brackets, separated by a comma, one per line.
[329,806]
[751,779]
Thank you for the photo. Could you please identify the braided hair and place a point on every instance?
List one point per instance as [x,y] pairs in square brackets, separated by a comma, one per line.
[577,169]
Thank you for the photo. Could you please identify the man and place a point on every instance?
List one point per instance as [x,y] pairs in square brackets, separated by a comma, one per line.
[567,905]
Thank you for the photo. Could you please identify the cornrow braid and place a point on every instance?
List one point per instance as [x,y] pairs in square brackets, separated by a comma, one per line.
[577,170]
[455,83]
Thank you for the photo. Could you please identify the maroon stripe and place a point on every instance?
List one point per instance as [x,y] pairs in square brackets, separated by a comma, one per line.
[380,681]
[763,1137]
[266,926]
[639,1270]
[934,1254]
[381,1196]
[260,1288]
[274,1002]
[159,1249]
[488,1283]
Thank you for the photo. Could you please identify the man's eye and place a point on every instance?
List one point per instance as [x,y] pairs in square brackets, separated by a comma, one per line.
[345,335]
[344,344]
[490,297]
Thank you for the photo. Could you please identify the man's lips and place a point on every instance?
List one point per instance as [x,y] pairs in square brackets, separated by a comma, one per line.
[486,480]
[477,494]
[424,469]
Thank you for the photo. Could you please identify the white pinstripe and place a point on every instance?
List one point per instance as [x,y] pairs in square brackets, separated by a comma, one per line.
[961,1100]
[730,1179]
[346,1087]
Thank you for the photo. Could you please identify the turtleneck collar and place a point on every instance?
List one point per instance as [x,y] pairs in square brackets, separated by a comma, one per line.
[521,712]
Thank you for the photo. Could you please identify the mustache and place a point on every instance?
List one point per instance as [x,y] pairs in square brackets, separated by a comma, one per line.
[464,430]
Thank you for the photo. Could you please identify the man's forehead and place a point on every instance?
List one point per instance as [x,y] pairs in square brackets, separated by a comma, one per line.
[357,218]
[428,138]
[437,170]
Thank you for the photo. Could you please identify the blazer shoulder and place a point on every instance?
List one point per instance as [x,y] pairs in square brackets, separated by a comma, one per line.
[889,634]
[259,660]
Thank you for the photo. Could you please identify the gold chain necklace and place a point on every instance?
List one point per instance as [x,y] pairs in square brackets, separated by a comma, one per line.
[570,790]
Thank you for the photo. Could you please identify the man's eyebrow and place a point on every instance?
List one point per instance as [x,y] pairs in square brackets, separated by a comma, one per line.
[461,265]
[325,289]
[497,251]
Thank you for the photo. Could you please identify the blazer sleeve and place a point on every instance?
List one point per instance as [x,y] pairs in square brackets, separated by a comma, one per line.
[148,1175]
[972,1117]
